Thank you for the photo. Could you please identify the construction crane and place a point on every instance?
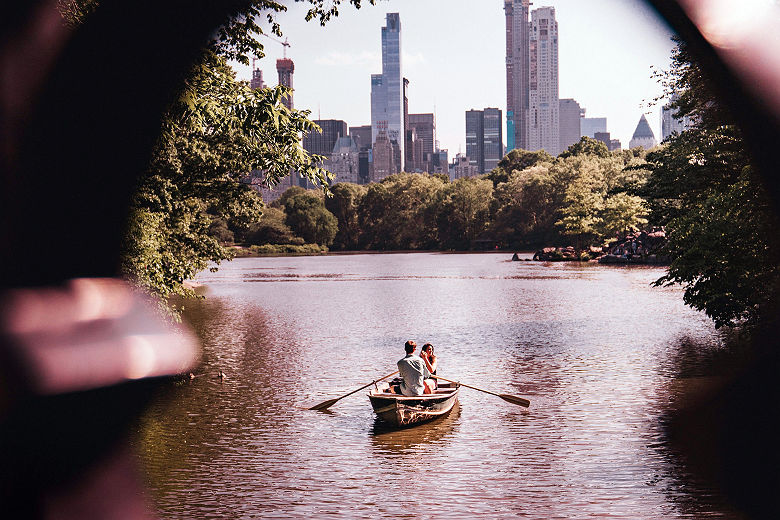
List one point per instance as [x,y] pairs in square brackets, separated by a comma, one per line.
[284,43]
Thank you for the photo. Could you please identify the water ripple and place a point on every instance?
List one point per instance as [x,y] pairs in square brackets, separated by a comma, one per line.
[601,354]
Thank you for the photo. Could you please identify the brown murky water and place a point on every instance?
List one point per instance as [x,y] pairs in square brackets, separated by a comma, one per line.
[600,353]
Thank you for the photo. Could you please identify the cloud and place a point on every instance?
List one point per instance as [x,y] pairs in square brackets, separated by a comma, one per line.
[413,58]
[349,59]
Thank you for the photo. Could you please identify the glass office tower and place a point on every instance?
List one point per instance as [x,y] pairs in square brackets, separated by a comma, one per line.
[387,104]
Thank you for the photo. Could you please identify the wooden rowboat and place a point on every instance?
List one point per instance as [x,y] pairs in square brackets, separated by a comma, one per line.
[399,410]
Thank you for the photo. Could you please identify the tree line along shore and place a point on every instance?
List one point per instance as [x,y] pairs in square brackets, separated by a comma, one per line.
[192,204]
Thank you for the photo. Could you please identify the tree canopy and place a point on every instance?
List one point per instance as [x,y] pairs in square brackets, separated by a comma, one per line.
[719,220]
[193,195]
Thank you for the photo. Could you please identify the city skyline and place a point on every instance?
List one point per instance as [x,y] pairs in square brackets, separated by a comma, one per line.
[605,64]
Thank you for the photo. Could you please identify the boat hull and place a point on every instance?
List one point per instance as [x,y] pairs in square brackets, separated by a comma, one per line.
[404,411]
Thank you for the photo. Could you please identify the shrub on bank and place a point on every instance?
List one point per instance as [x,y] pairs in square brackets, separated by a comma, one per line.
[287,249]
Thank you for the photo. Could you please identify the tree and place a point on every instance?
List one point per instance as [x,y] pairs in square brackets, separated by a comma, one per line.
[596,205]
[217,132]
[464,212]
[526,206]
[398,213]
[586,146]
[343,203]
[272,229]
[580,214]
[517,160]
[219,229]
[722,255]
[289,193]
[717,215]
[211,138]
[308,218]
[622,212]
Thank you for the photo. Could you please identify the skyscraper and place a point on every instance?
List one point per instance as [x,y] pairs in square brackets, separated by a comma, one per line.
[475,139]
[285,68]
[484,138]
[543,117]
[409,134]
[383,158]
[387,104]
[493,141]
[462,168]
[590,125]
[517,39]
[322,143]
[604,137]
[643,135]
[361,135]
[670,123]
[425,127]
[569,115]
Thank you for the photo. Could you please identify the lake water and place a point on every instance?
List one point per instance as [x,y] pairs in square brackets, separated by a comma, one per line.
[601,354]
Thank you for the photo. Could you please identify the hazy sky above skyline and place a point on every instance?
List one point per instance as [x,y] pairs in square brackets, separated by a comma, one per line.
[454,57]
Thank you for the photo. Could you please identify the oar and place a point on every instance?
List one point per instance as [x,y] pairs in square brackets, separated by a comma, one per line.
[506,397]
[330,402]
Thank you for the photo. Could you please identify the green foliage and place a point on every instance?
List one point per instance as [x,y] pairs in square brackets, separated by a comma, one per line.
[309,219]
[691,166]
[587,146]
[716,212]
[287,249]
[76,11]
[722,255]
[622,212]
[580,196]
[588,195]
[595,207]
[464,212]
[398,213]
[517,160]
[217,133]
[272,229]
[526,205]
[580,213]
[219,229]
[290,192]
[343,203]
[212,137]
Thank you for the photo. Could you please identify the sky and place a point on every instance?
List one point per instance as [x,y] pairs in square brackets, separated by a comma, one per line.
[453,53]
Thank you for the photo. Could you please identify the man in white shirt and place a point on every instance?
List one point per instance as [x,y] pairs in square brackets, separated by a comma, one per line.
[414,373]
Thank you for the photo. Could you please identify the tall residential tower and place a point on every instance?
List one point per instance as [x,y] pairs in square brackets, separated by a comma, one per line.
[517,40]
[543,102]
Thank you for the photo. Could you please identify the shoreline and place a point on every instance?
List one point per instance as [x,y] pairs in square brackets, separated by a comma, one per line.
[245,253]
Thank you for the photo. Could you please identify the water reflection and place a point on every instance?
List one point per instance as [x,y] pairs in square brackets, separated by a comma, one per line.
[388,440]
[601,354]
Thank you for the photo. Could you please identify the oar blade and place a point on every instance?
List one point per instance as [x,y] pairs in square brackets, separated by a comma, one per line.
[325,404]
[515,400]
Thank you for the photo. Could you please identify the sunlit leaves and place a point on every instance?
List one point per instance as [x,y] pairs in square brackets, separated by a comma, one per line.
[464,212]
[719,223]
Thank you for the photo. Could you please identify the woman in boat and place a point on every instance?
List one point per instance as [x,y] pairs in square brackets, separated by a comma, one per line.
[430,360]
